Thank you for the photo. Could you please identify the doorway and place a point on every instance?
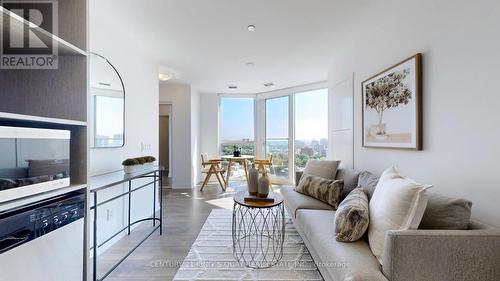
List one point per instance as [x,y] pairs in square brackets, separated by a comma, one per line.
[165,141]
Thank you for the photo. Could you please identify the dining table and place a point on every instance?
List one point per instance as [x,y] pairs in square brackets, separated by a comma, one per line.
[243,159]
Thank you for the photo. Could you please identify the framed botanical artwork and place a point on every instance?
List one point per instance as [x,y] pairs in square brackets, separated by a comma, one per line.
[392,106]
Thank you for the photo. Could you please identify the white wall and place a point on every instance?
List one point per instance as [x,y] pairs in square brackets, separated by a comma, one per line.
[195,137]
[209,125]
[179,95]
[340,127]
[140,77]
[461,66]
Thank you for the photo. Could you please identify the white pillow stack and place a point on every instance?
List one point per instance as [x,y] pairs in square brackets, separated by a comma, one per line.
[398,203]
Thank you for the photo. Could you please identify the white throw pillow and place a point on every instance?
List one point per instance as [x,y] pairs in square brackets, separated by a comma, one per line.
[397,203]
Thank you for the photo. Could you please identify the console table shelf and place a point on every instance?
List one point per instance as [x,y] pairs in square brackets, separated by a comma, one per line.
[103,182]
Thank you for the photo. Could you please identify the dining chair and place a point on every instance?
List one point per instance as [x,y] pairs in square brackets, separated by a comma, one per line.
[212,167]
[263,163]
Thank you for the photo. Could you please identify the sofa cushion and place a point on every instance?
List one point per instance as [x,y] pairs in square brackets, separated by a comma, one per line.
[446,213]
[295,201]
[342,261]
[325,190]
[322,168]
[352,217]
[350,178]
[368,182]
[398,203]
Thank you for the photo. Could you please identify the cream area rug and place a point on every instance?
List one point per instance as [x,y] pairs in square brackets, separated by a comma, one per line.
[211,257]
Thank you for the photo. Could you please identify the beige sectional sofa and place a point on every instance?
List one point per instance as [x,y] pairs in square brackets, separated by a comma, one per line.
[409,255]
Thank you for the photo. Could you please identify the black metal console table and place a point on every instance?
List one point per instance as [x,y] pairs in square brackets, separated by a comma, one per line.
[109,180]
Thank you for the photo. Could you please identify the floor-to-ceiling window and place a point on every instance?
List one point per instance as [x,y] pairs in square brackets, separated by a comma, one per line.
[277,134]
[311,126]
[292,126]
[237,125]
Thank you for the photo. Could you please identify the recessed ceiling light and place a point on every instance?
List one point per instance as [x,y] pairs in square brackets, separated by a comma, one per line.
[268,84]
[165,76]
[250,64]
[233,87]
[251,28]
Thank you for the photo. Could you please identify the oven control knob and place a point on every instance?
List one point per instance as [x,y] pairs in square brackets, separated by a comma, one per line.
[56,220]
[45,223]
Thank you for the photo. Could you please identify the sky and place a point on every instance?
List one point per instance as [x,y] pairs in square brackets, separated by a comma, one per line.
[311,117]
[237,121]
[109,109]
[277,117]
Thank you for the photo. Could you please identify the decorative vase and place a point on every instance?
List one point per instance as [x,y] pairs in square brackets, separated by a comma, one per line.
[263,189]
[253,180]
[130,169]
[378,131]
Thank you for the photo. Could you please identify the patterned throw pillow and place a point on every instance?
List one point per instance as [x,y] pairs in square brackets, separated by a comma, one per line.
[325,190]
[352,217]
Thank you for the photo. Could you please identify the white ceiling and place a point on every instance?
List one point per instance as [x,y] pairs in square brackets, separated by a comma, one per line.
[207,43]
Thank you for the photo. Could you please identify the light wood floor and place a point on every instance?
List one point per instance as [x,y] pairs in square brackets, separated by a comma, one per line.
[159,257]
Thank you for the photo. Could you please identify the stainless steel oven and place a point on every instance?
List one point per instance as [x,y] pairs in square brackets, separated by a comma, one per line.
[33,161]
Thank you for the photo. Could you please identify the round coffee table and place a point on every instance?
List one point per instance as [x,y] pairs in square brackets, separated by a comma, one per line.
[258,231]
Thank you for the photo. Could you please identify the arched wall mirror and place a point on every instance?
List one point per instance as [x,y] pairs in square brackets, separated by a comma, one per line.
[107,108]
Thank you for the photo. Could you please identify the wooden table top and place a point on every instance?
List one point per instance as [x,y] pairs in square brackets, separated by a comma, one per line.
[240,199]
[238,158]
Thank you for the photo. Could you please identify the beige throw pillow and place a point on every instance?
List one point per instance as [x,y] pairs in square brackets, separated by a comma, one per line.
[325,190]
[446,213]
[322,168]
[397,203]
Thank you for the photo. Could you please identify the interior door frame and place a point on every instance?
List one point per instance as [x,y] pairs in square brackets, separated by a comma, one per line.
[170,136]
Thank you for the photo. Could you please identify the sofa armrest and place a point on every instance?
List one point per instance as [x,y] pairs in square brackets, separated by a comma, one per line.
[442,255]
[298,175]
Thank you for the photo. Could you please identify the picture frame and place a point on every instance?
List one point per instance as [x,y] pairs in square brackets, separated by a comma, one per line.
[392,106]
